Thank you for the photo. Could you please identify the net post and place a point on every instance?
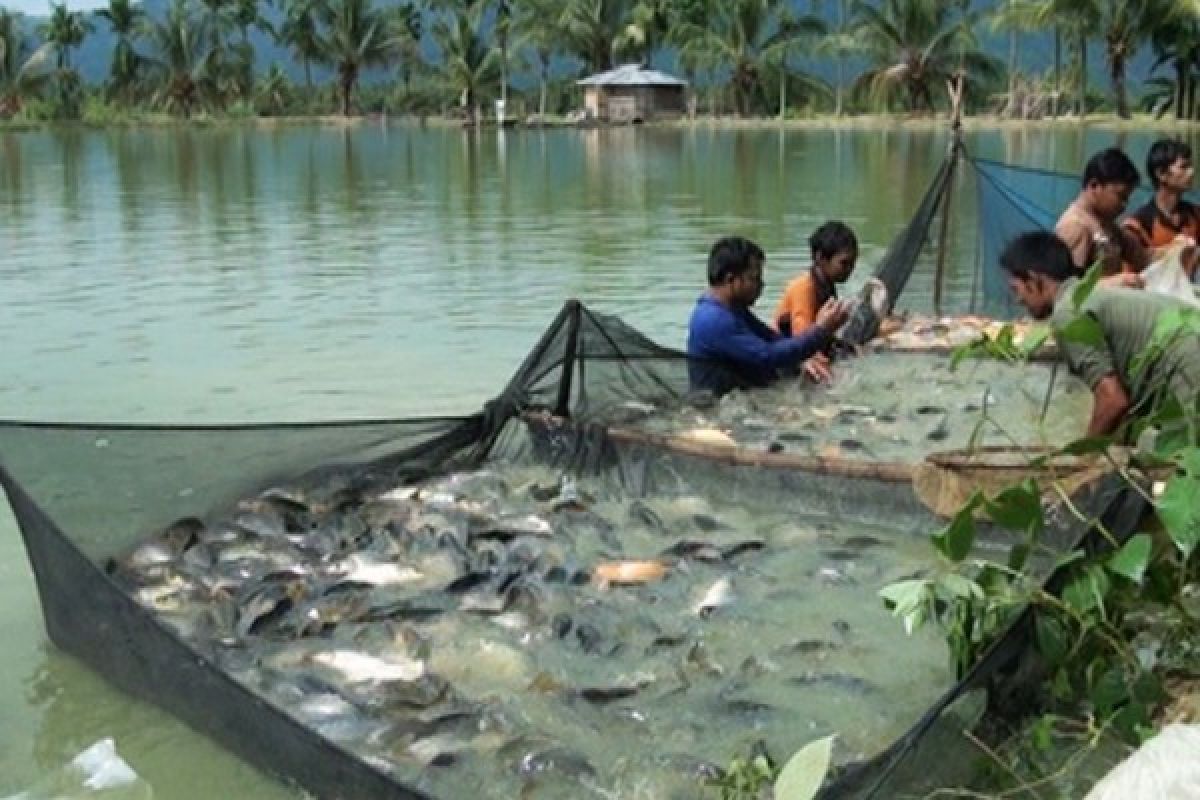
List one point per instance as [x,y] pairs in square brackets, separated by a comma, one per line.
[955,88]
[562,407]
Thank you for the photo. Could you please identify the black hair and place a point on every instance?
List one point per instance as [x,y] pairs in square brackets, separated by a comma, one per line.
[1162,155]
[732,256]
[1038,252]
[1110,166]
[832,238]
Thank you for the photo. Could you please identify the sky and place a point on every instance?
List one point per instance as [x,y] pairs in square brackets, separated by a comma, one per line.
[41,8]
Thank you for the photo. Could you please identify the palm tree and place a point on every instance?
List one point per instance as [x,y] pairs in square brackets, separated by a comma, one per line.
[750,38]
[179,59]
[217,22]
[915,45]
[65,30]
[406,32]
[127,22]
[300,33]
[1122,25]
[23,68]
[687,23]
[593,30]
[535,23]
[1176,41]
[1125,24]
[649,27]
[469,62]
[244,17]
[839,42]
[357,36]
[273,92]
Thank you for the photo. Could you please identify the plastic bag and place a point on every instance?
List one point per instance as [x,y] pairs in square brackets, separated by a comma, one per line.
[97,772]
[1165,768]
[1167,276]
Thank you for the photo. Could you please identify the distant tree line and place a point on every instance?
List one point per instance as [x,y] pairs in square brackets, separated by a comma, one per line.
[740,56]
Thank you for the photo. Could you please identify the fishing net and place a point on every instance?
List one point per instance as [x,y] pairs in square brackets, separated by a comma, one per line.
[1013,200]
[579,409]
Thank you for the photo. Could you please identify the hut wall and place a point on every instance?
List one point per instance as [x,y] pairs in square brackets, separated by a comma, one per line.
[625,103]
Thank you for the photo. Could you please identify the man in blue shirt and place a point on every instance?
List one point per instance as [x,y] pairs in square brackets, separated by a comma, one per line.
[728,347]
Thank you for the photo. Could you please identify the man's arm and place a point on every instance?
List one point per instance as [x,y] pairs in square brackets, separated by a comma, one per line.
[1110,404]
[1078,238]
[1133,253]
[744,346]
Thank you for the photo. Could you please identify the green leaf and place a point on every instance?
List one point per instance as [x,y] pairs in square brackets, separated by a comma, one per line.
[1086,284]
[956,539]
[1087,590]
[804,772]
[1052,639]
[1108,692]
[1017,508]
[1091,445]
[1084,329]
[1180,513]
[958,586]
[1132,559]
[1018,556]
[907,601]
[1034,339]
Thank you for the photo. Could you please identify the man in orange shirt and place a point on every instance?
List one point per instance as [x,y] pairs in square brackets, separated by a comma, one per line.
[834,253]
[1168,217]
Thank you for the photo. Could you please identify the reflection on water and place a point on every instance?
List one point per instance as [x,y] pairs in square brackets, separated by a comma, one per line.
[306,273]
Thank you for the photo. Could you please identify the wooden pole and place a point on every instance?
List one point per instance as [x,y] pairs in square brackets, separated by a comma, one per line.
[955,88]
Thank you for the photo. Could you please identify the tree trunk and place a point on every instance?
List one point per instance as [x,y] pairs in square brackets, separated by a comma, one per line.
[1083,76]
[308,75]
[1180,89]
[841,61]
[1117,69]
[347,82]
[1012,72]
[542,98]
[782,95]
[1057,71]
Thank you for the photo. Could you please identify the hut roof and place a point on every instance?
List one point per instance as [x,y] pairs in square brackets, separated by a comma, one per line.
[631,75]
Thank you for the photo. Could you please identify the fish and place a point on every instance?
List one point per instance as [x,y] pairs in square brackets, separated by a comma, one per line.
[806,647]
[718,595]
[837,680]
[730,552]
[354,667]
[602,695]
[711,437]
[507,528]
[834,577]
[863,542]
[360,569]
[628,573]
[644,514]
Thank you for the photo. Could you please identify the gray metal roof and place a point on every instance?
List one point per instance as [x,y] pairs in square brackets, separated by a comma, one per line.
[631,75]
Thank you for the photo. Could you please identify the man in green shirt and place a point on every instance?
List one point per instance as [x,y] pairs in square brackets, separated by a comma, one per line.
[1043,277]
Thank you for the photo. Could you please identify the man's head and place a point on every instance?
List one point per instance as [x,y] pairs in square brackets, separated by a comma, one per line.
[1108,180]
[1169,165]
[735,270]
[1037,263]
[834,250]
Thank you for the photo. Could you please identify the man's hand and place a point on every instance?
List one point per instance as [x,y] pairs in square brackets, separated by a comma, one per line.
[818,369]
[833,314]
[1122,280]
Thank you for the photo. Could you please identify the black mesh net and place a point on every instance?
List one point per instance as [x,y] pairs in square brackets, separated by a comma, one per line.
[86,496]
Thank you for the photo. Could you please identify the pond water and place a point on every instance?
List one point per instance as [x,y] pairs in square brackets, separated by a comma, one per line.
[304,273]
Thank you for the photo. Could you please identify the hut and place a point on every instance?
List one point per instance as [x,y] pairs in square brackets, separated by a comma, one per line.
[631,93]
